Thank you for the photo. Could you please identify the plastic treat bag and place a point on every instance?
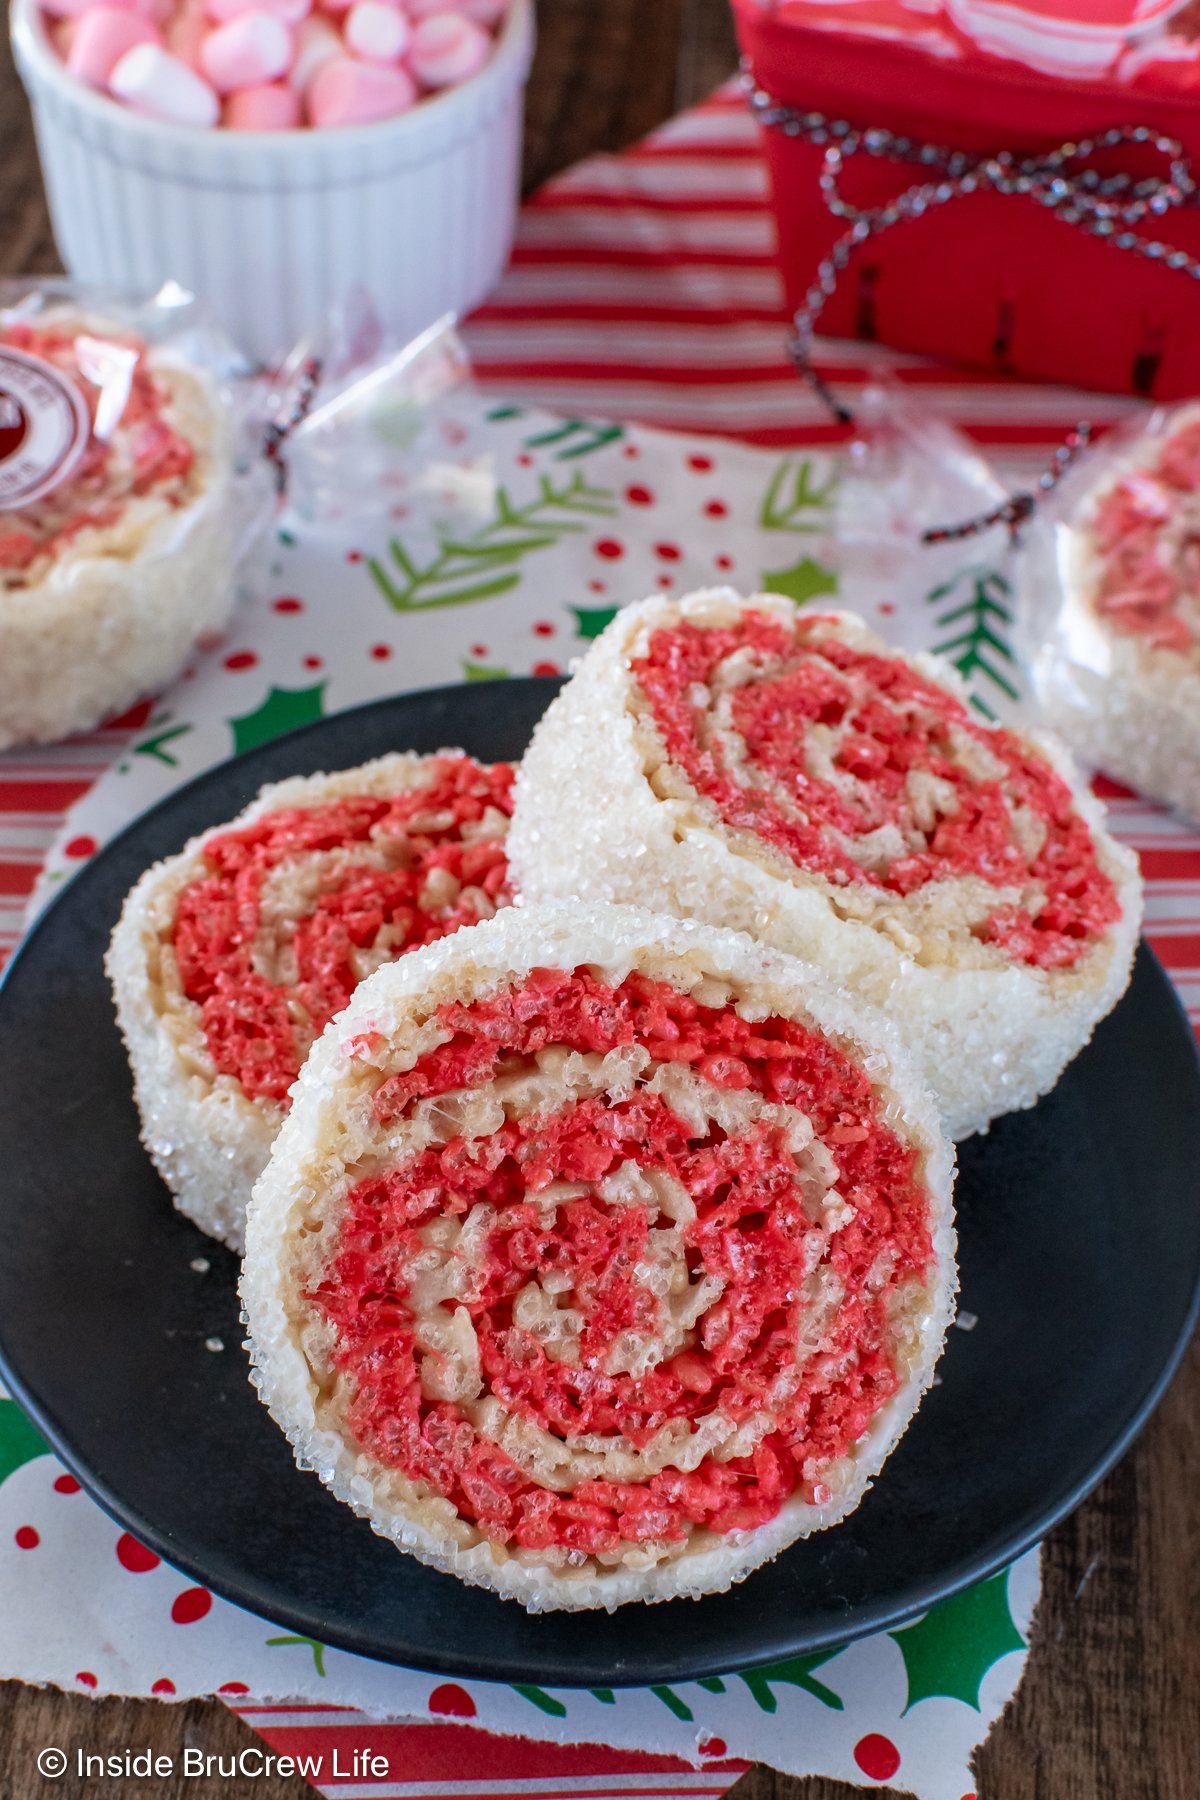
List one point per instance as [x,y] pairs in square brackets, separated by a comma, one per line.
[1108,614]
[129,491]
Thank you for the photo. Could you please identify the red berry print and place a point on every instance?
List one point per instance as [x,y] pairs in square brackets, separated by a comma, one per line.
[886,608]
[525,460]
[354,556]
[134,1556]
[700,465]
[713,1746]
[877,1756]
[452,1701]
[479,649]
[668,552]
[666,581]
[597,587]
[546,668]
[639,496]
[85,1678]
[65,1484]
[609,548]
[544,628]
[163,1686]
[191,1605]
[381,652]
[314,662]
[241,659]
[717,509]
[724,562]
[288,604]
[26,1538]
[233,1687]
[80,846]
[631,452]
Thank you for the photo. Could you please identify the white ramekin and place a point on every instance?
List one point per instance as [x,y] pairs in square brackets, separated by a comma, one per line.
[271,229]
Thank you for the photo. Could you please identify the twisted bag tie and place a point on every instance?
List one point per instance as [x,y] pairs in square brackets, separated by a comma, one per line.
[1061,180]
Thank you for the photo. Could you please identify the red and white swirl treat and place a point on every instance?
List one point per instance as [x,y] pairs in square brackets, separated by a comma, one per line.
[790,775]
[1110,611]
[116,543]
[230,958]
[602,1255]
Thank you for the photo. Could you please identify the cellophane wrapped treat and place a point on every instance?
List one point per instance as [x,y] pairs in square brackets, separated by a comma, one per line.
[1108,617]
[601,1256]
[122,509]
[789,774]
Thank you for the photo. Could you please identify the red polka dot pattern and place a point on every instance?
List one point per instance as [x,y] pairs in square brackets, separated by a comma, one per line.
[668,552]
[241,659]
[877,1756]
[288,604]
[163,1686]
[717,509]
[26,1538]
[639,496]
[546,668]
[544,628]
[609,548]
[233,1687]
[134,1556]
[381,652]
[452,1701]
[700,465]
[65,1484]
[80,846]
[85,1678]
[191,1605]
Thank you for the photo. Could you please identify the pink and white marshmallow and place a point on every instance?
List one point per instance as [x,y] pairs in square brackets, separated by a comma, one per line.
[272,107]
[150,80]
[316,44]
[376,32]
[290,11]
[447,48]
[346,92]
[100,39]
[248,52]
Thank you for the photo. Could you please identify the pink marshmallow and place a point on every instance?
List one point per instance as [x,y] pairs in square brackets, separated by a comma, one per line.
[316,44]
[482,12]
[290,11]
[447,48]
[101,38]
[272,107]
[376,32]
[150,80]
[250,50]
[185,33]
[346,92]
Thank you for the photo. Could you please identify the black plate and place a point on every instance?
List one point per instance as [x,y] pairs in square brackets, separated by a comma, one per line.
[1079,1232]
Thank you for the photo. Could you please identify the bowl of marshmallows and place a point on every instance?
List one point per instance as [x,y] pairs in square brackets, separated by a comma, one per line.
[272,155]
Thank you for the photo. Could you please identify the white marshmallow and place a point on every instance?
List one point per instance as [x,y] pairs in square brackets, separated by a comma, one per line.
[151,80]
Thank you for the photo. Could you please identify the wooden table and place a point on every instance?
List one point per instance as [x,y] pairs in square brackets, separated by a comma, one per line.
[1110,1705]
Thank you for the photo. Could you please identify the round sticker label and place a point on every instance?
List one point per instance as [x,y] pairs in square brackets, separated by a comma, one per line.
[44,427]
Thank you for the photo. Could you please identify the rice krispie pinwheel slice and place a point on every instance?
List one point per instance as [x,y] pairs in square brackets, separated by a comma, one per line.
[1109,612]
[601,1256]
[230,958]
[115,567]
[790,775]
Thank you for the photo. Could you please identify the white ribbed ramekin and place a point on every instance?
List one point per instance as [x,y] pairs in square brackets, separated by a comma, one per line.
[270,229]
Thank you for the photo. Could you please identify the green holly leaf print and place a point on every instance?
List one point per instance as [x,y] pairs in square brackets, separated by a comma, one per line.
[952,1648]
[156,746]
[20,1442]
[804,581]
[282,710]
[796,1672]
[576,437]
[473,671]
[318,1649]
[590,621]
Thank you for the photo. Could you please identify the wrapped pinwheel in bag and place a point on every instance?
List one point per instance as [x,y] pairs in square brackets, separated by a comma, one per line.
[1109,607]
[124,505]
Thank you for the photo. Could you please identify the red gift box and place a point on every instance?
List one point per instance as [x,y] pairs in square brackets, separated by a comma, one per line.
[993,280]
